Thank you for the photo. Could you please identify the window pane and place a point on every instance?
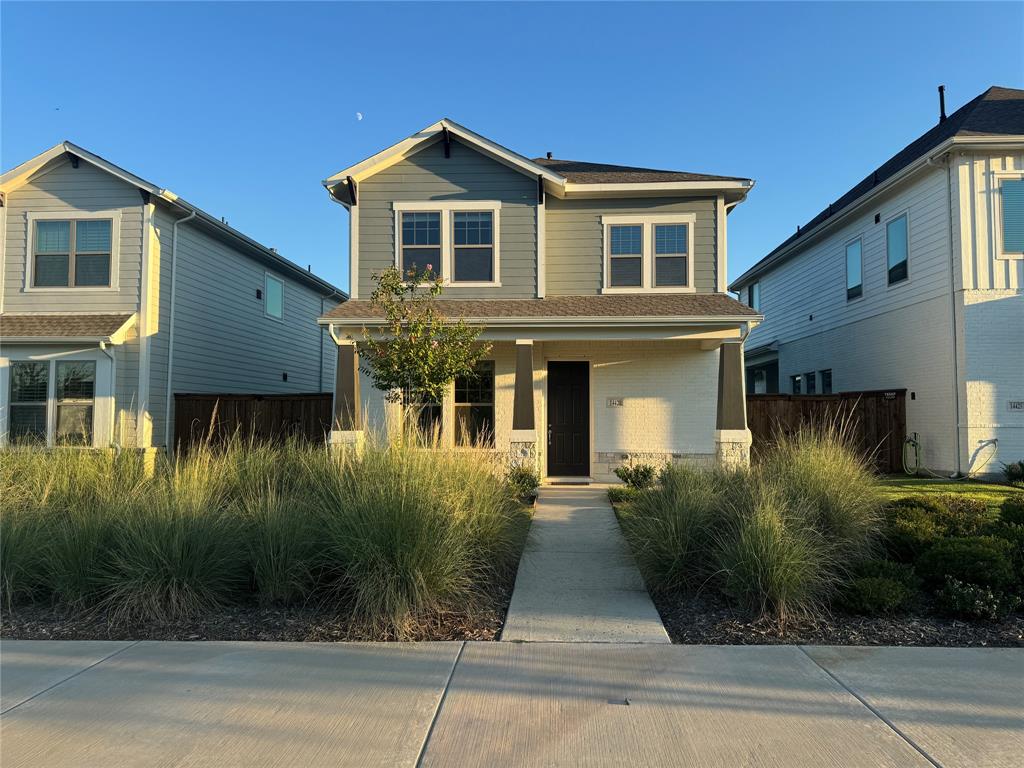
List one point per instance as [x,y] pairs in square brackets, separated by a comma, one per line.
[853,265]
[93,269]
[478,388]
[50,270]
[1013,215]
[473,228]
[626,272]
[273,297]
[92,235]
[28,424]
[754,296]
[826,382]
[420,259]
[28,381]
[76,380]
[53,237]
[474,264]
[809,383]
[627,240]
[421,228]
[74,425]
[474,425]
[670,270]
[795,384]
[896,248]
[670,238]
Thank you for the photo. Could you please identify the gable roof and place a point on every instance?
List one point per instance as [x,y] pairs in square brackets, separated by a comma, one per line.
[560,177]
[996,113]
[18,176]
[579,172]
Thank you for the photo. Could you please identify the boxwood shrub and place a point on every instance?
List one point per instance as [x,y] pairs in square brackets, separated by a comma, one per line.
[979,560]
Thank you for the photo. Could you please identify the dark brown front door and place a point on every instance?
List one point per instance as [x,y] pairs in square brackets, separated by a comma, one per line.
[568,419]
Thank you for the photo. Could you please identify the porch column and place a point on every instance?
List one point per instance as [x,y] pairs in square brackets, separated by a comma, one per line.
[347,427]
[523,443]
[732,438]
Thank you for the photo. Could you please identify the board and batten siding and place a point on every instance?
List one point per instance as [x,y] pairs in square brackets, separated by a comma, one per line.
[465,175]
[85,189]
[574,246]
[223,340]
[806,295]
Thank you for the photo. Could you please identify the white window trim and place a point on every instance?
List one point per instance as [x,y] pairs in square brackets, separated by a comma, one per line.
[998,177]
[447,209]
[276,279]
[846,267]
[647,222]
[885,253]
[115,249]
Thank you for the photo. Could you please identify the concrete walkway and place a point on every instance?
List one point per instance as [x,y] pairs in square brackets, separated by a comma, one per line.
[306,705]
[577,580]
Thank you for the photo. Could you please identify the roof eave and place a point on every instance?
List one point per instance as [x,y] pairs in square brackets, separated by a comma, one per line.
[568,322]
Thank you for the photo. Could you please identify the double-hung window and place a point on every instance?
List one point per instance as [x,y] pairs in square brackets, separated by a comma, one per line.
[72,253]
[653,251]
[897,248]
[474,407]
[473,238]
[456,240]
[809,383]
[826,381]
[1010,219]
[63,408]
[854,269]
[421,242]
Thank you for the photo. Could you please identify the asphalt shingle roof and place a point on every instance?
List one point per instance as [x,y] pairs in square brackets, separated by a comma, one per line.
[61,326]
[579,172]
[996,112]
[620,306]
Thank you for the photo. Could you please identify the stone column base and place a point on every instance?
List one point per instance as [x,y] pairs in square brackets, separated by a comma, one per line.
[523,448]
[732,448]
[348,439]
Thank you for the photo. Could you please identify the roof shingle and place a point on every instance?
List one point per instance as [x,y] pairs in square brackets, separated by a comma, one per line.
[61,326]
[579,172]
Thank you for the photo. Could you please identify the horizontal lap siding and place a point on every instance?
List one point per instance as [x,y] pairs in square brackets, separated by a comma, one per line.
[223,342]
[466,175]
[574,248]
[82,189]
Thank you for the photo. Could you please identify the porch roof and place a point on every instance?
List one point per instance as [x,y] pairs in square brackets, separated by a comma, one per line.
[666,308]
[67,327]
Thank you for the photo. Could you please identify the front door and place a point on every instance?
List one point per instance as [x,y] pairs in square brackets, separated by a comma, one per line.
[568,419]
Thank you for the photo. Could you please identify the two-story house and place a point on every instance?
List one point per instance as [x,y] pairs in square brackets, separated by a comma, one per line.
[116,294]
[602,289]
[912,279]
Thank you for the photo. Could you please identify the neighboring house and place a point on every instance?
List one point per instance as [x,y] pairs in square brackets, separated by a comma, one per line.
[601,287]
[913,279]
[115,294]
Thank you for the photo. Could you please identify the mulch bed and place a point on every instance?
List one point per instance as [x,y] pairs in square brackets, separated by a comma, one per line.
[708,619]
[253,622]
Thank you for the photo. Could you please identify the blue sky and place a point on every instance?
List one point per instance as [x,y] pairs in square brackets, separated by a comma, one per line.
[242,108]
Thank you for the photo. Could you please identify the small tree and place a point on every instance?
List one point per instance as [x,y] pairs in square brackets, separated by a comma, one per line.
[419,352]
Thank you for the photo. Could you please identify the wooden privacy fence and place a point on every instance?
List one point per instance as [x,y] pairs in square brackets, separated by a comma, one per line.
[877,420]
[258,417]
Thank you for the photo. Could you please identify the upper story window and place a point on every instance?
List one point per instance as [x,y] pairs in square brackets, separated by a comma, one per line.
[644,252]
[810,387]
[897,242]
[273,297]
[1010,218]
[456,239]
[826,381]
[754,296]
[71,253]
[854,270]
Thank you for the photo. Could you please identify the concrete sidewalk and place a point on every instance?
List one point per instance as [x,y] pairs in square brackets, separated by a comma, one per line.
[577,580]
[516,704]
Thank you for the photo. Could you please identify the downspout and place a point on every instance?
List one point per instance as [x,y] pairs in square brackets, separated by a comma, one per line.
[321,345]
[170,329]
[958,472]
[113,392]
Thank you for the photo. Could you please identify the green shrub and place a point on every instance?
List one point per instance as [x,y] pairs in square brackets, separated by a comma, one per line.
[670,527]
[827,479]
[1012,509]
[963,515]
[637,476]
[912,526]
[1014,472]
[770,560]
[1013,535]
[880,587]
[619,494]
[980,560]
[973,602]
[523,480]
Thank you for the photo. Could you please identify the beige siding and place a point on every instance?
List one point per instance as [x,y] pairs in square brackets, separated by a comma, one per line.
[574,247]
[466,175]
[82,189]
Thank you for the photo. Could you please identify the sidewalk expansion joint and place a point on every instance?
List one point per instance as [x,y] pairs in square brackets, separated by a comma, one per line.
[892,726]
[440,704]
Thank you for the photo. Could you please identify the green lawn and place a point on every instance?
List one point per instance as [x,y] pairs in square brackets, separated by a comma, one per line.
[896,486]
